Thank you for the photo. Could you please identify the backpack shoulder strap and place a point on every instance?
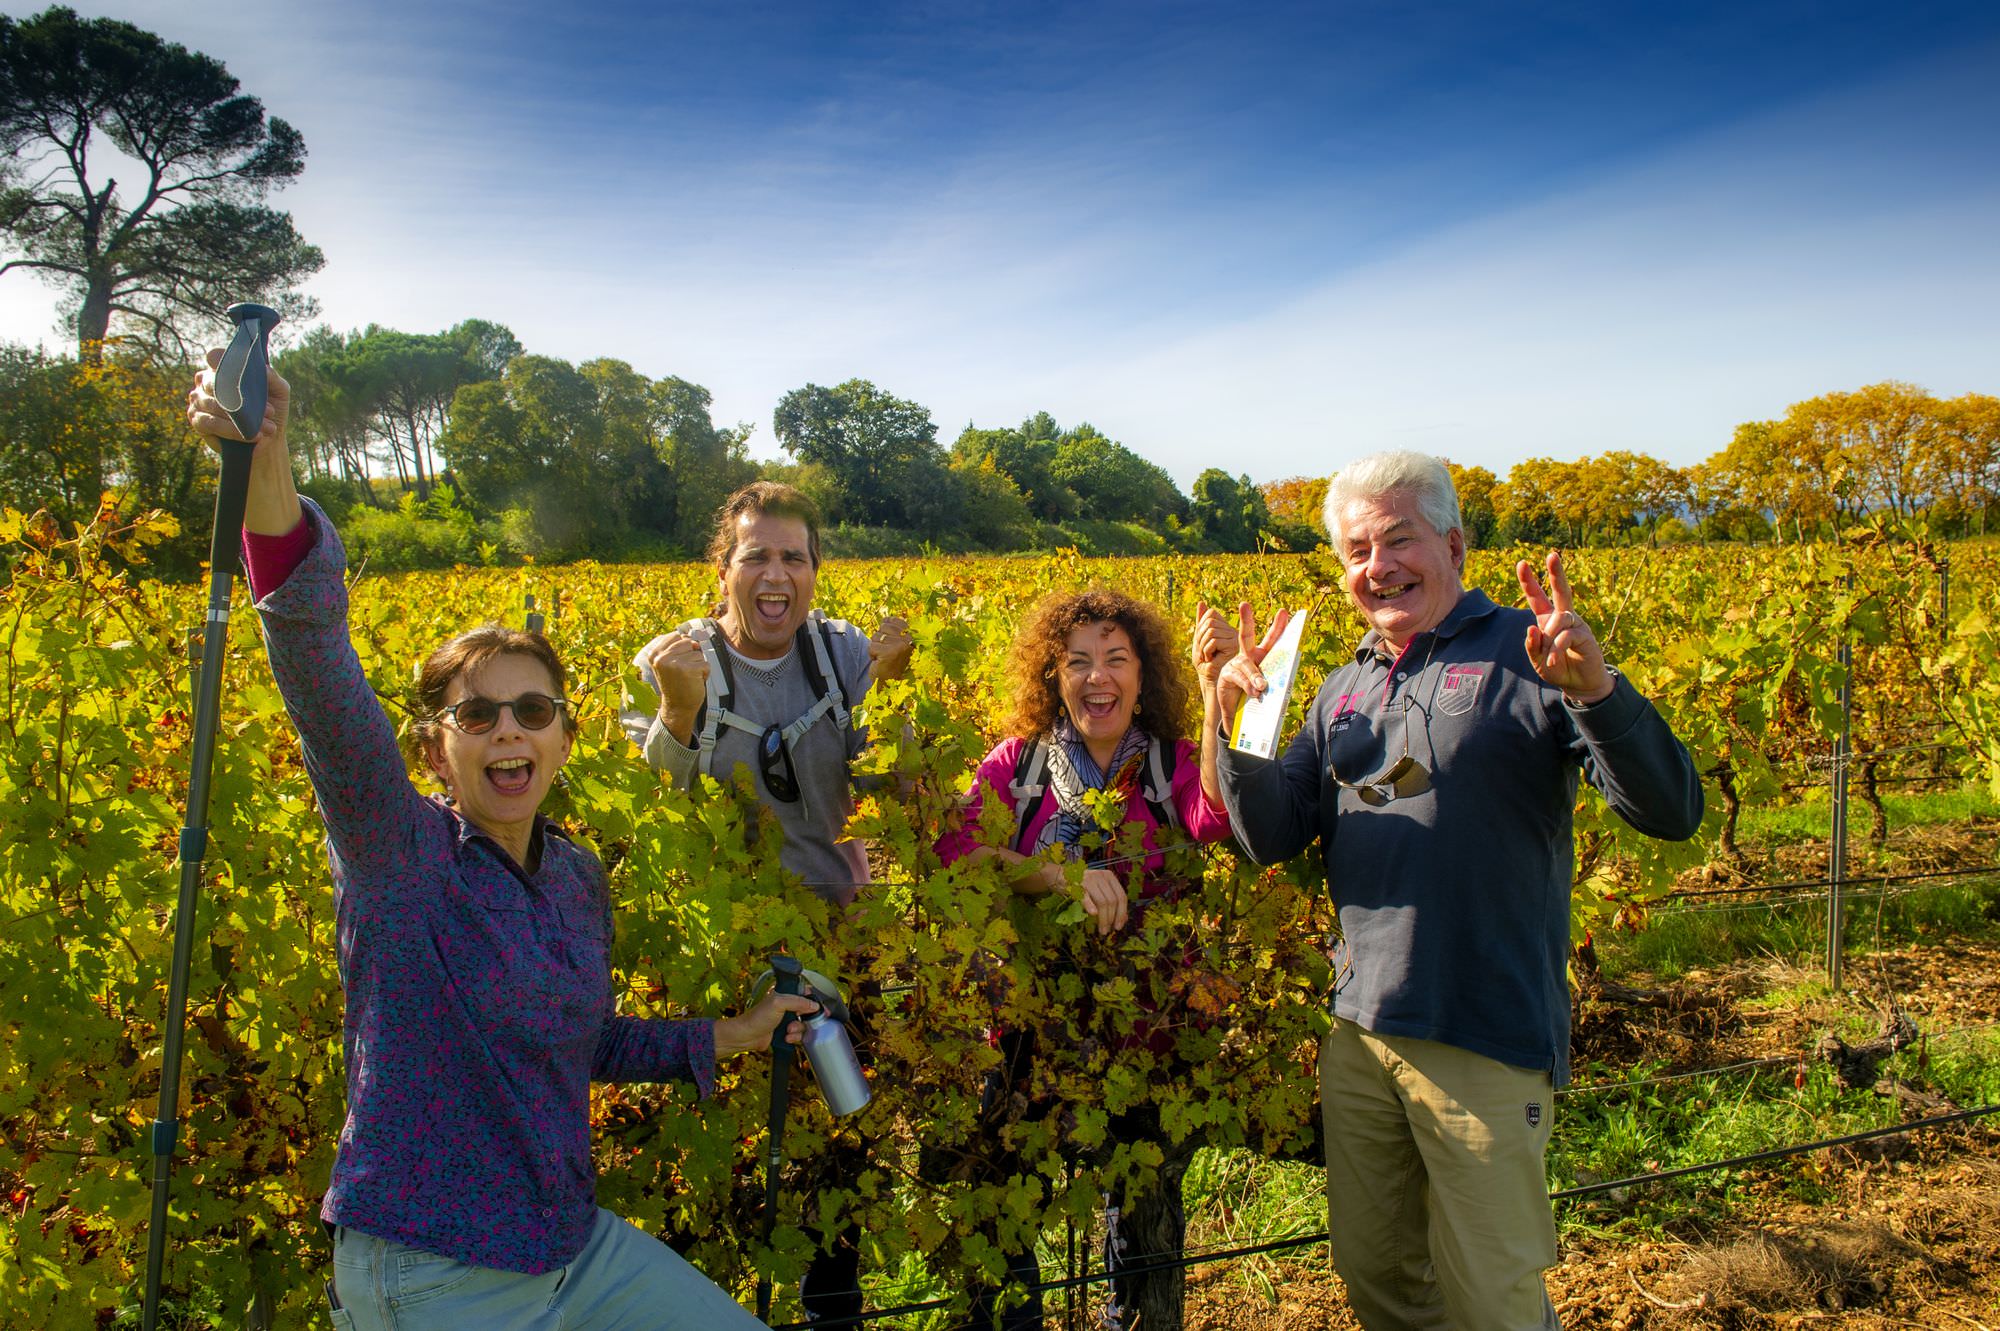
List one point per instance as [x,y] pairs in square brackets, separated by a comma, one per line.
[816,654]
[1159,784]
[721,690]
[1029,787]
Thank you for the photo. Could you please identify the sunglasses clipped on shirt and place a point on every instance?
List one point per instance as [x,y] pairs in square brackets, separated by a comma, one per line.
[1401,780]
[1404,778]
[476,715]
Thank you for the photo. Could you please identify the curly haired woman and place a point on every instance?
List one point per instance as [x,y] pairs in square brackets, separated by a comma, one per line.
[1101,704]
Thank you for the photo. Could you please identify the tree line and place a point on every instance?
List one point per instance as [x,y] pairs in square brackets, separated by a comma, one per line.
[556,460]
[461,446]
[492,451]
[1886,451]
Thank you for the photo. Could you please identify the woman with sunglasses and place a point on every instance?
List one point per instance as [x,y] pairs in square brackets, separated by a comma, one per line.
[1101,703]
[475,956]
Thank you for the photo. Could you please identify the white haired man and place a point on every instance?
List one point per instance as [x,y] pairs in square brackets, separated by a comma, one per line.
[1438,771]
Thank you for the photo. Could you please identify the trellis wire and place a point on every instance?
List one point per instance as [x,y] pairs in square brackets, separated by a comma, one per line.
[1186,1261]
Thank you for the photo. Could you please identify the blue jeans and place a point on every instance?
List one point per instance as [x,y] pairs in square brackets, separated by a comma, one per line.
[623,1278]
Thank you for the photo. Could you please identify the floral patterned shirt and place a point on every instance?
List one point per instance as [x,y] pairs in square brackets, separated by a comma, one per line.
[479,995]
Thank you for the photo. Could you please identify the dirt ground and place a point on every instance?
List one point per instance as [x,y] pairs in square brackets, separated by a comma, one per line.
[1910,1244]
[1911,1237]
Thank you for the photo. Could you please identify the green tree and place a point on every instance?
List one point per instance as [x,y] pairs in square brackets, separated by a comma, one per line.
[386,395]
[881,449]
[333,411]
[993,513]
[707,464]
[77,436]
[1026,457]
[51,455]
[192,233]
[1228,511]
[409,380]
[532,439]
[1113,483]
[598,454]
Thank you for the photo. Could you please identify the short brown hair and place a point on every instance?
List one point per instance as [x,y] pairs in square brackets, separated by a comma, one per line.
[1035,664]
[471,650]
[762,497]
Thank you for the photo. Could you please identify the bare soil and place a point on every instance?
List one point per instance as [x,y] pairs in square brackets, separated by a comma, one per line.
[1910,1237]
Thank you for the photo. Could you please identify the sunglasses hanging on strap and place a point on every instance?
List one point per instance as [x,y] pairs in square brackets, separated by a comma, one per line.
[774,742]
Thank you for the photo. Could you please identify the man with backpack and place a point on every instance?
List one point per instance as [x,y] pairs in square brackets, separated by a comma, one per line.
[768,683]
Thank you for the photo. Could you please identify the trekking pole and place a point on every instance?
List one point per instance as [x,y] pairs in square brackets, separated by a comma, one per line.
[239,387]
[785,972]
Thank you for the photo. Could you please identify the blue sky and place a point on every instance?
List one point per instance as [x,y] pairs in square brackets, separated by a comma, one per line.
[1266,238]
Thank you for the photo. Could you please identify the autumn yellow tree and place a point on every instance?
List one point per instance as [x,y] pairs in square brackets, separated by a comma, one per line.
[1886,431]
[1297,499]
[1476,487]
[1538,501]
[1965,458]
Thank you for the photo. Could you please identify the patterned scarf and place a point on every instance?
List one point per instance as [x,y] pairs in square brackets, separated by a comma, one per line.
[1072,771]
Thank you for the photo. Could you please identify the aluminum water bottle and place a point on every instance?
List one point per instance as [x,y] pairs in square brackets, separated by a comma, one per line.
[834,1065]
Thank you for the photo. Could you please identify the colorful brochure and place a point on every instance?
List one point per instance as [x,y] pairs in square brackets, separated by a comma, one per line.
[1258,719]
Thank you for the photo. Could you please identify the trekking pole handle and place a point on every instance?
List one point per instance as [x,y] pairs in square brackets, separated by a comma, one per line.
[240,378]
[787,977]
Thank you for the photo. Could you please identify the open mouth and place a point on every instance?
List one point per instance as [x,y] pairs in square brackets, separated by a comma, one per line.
[1099,706]
[773,609]
[1392,593]
[511,776]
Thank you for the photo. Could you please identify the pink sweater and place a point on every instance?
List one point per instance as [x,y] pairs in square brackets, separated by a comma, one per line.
[1201,820]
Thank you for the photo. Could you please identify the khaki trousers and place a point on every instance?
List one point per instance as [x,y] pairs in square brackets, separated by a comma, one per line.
[1436,1197]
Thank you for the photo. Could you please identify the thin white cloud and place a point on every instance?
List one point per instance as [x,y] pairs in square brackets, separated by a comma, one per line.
[1819,247]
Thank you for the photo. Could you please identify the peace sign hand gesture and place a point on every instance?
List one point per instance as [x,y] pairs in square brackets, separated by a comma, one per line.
[1241,675]
[1560,645]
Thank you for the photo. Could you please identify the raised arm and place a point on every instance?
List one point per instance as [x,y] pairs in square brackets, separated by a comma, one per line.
[272,508]
[1215,642]
[1273,804]
[364,790]
[1627,750]
[673,665]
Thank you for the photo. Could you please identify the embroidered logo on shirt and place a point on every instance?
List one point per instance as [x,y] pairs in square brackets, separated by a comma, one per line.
[1459,689]
[1535,1115]
[1343,712]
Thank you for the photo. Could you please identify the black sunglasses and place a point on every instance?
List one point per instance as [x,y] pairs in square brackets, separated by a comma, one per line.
[476,715]
[774,764]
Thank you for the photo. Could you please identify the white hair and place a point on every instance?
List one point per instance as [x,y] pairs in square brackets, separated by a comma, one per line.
[1418,475]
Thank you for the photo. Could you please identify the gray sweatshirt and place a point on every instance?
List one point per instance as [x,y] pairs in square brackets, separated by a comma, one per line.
[778,692]
[1454,903]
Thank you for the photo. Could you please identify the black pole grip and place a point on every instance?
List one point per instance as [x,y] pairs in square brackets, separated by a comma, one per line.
[239,380]
[787,976]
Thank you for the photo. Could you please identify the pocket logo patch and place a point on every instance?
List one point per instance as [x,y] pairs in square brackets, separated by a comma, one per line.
[1459,689]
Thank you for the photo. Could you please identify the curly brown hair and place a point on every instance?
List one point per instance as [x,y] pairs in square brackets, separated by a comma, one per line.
[1166,690]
